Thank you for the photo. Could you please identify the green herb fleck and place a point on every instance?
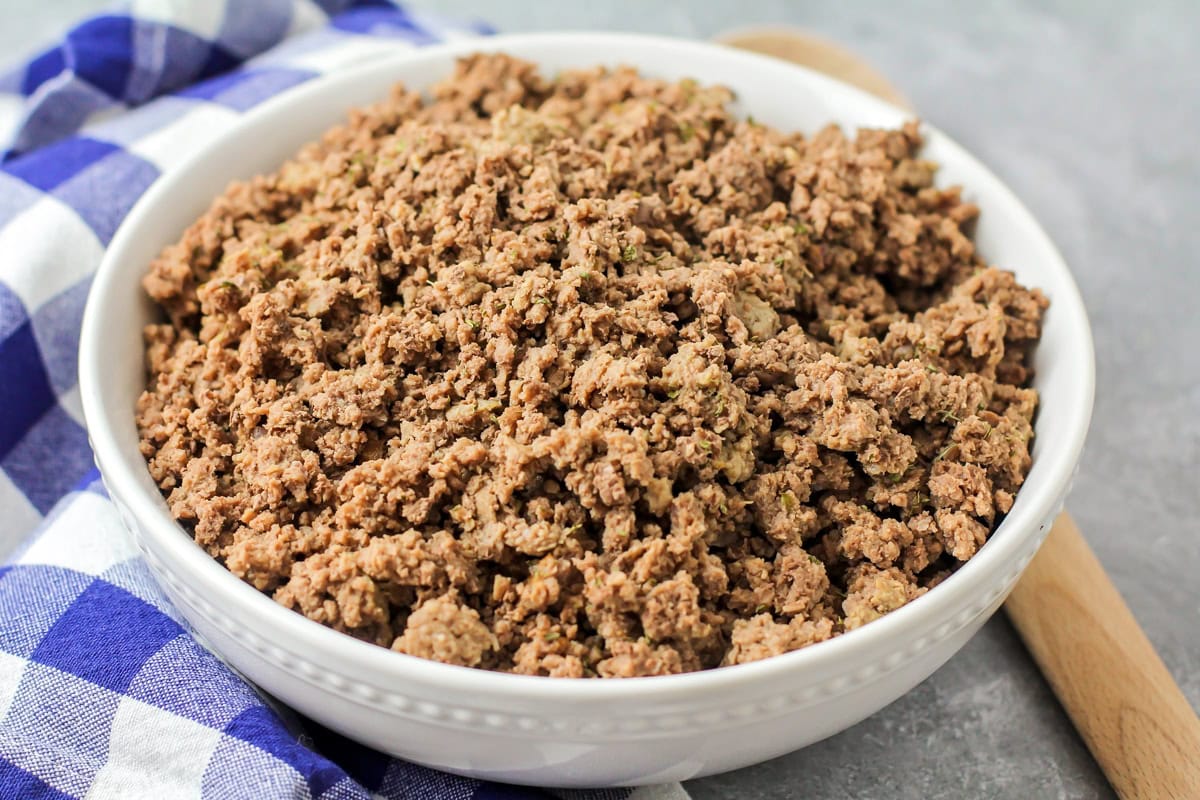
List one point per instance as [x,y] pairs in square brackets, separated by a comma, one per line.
[813,559]
[629,253]
[704,444]
[950,415]
[788,500]
[473,324]
[724,509]
[228,285]
[686,132]
[931,368]
[672,394]
[760,608]
[552,636]
[541,301]
[800,228]
[779,261]
[942,454]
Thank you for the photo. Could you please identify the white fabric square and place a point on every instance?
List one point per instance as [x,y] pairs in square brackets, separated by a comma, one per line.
[306,15]
[20,517]
[154,754]
[181,138]
[203,19]
[72,403]
[86,536]
[12,106]
[45,250]
[11,669]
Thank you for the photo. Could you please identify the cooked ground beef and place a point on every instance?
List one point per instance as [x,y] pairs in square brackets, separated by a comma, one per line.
[588,377]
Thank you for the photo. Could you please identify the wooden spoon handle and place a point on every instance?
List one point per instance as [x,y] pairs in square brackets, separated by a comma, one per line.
[1105,672]
[1118,693]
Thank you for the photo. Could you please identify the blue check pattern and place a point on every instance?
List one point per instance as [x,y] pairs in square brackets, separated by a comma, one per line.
[103,691]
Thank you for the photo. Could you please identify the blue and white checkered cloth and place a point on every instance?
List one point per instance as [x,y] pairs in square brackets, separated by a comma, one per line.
[103,693]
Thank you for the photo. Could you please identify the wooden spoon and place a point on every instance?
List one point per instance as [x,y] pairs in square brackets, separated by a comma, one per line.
[1097,659]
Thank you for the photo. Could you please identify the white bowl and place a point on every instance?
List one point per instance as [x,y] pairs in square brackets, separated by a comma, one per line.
[550,731]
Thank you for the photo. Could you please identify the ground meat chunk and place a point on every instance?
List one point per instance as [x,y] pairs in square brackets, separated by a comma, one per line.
[761,636]
[874,592]
[586,376]
[442,629]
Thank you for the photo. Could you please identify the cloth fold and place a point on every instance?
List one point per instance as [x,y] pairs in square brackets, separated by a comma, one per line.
[103,692]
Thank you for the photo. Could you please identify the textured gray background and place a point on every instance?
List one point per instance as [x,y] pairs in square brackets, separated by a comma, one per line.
[1091,112]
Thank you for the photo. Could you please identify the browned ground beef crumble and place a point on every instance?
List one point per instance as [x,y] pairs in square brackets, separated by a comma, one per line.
[586,376]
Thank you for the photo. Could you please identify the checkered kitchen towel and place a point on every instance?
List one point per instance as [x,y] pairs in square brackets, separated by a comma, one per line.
[102,691]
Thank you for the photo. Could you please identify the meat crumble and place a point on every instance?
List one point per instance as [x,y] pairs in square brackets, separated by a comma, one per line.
[587,376]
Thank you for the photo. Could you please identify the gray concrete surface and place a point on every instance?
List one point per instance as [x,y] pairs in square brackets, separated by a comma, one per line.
[1091,112]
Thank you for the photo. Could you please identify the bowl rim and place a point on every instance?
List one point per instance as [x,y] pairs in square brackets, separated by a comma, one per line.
[297,633]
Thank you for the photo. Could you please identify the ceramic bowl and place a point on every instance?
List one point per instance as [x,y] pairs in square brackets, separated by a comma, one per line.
[564,732]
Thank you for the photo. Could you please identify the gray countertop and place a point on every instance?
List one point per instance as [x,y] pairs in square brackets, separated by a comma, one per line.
[1091,112]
